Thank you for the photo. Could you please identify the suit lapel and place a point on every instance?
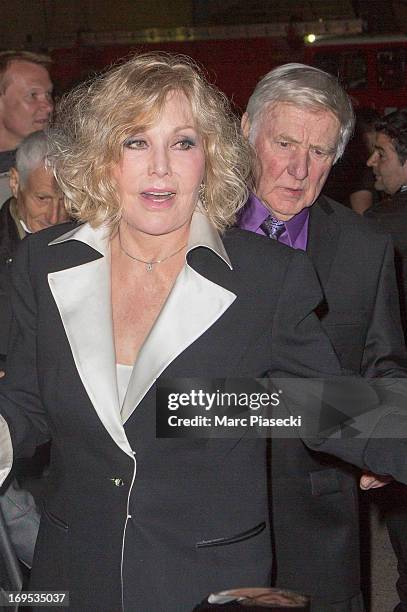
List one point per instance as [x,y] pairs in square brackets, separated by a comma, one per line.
[82,294]
[323,237]
[193,306]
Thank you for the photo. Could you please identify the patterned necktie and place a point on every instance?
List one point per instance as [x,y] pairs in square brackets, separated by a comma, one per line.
[273,228]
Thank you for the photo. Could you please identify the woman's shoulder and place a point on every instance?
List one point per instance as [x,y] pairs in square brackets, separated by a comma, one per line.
[34,247]
[49,234]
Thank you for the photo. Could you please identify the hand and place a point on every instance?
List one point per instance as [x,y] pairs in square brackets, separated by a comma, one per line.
[2,373]
[373,481]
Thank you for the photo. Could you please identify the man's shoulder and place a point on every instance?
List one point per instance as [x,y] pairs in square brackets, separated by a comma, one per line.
[9,236]
[5,209]
[393,206]
[347,220]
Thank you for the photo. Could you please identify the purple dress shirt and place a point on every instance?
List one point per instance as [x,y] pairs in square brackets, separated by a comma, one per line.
[296,229]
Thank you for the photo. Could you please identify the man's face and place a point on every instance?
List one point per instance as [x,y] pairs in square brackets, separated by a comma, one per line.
[25,102]
[39,201]
[296,147]
[389,172]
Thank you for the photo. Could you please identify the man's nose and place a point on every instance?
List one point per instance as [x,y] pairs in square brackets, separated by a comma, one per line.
[54,213]
[298,164]
[46,103]
[373,159]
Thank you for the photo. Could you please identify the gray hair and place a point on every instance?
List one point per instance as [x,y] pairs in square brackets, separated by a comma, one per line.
[31,153]
[307,87]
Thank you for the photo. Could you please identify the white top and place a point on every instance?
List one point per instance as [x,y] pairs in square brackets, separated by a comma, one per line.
[123,377]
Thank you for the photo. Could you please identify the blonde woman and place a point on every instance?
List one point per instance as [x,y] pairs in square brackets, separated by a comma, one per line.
[151,283]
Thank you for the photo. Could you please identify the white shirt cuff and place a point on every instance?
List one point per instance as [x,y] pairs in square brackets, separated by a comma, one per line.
[6,450]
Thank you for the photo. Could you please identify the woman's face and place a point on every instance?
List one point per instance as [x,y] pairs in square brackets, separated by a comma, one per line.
[161,170]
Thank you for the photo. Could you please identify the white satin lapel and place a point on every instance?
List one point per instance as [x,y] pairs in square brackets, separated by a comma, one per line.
[193,306]
[83,297]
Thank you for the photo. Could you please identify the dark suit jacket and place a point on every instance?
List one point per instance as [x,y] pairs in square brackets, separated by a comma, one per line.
[188,516]
[315,510]
[9,240]
[157,523]
[391,216]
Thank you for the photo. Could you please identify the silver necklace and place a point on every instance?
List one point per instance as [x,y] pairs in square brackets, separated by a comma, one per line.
[148,264]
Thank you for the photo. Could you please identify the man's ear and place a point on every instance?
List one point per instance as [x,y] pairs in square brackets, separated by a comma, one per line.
[245,124]
[14,181]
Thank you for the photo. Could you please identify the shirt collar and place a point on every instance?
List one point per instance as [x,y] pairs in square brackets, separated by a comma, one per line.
[25,228]
[202,234]
[255,212]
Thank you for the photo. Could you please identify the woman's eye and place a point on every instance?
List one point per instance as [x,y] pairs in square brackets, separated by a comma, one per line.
[283,144]
[135,143]
[185,144]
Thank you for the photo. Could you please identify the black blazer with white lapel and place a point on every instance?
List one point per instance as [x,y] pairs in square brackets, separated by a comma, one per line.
[317,545]
[152,523]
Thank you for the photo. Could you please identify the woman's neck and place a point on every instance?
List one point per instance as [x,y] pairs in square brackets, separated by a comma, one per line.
[148,247]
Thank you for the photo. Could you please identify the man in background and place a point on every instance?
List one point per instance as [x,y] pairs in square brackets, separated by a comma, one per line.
[350,182]
[299,120]
[36,203]
[25,104]
[389,164]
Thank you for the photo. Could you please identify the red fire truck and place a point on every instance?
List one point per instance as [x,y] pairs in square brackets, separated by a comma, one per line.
[372,69]
[235,57]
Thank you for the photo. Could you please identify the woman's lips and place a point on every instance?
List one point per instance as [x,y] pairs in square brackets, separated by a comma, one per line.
[158,196]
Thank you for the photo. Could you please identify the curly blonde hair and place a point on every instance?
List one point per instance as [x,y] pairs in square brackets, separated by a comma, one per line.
[95,119]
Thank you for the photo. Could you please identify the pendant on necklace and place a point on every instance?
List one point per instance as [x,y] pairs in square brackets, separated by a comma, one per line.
[149,266]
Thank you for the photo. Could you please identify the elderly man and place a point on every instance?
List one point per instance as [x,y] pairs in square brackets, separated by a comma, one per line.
[299,120]
[25,104]
[36,203]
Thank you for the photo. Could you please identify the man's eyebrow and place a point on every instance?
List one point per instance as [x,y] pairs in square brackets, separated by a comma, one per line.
[287,138]
[329,148]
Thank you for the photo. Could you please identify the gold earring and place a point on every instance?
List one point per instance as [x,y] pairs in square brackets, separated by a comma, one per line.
[202,199]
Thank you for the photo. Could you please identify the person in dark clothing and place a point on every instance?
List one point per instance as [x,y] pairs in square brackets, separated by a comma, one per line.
[350,182]
[36,203]
[290,120]
[389,164]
